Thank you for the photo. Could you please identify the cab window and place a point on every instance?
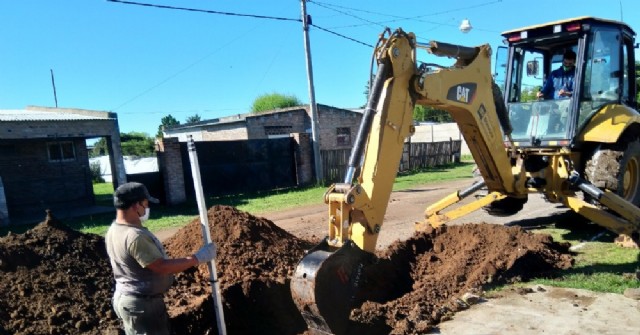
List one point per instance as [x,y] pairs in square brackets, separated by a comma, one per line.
[602,73]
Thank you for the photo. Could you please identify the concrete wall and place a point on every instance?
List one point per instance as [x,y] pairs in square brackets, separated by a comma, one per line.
[59,129]
[440,132]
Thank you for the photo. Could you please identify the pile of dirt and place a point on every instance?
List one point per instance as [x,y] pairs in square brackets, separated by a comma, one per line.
[58,281]
[55,280]
[255,260]
[419,282]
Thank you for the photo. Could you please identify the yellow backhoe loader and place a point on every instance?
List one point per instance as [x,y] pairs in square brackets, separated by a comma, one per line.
[582,151]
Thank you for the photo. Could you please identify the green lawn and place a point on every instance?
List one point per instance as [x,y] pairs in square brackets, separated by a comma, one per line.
[600,265]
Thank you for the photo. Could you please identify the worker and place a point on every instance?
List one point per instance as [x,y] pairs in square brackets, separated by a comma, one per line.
[560,81]
[142,270]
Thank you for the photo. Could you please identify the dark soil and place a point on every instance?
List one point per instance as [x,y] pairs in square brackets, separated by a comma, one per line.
[421,281]
[55,280]
[255,259]
[58,281]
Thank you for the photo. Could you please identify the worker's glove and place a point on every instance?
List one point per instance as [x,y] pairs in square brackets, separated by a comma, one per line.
[206,253]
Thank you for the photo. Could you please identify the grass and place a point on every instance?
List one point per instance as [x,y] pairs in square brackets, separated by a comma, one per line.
[431,175]
[600,265]
[103,193]
[286,199]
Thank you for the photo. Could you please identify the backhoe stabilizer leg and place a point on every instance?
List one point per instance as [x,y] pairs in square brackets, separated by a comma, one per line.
[325,286]
[628,225]
[434,216]
[453,198]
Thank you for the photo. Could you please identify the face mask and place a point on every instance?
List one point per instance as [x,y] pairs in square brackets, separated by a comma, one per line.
[145,217]
[567,68]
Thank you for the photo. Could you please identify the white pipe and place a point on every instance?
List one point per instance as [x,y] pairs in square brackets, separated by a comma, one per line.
[204,223]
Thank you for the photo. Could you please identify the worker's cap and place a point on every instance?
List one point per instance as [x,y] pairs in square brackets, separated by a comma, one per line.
[130,193]
[569,54]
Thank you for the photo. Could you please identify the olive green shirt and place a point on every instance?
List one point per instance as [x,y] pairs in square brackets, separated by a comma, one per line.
[131,249]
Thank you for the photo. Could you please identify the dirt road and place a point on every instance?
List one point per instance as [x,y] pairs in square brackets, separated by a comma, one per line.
[407,207]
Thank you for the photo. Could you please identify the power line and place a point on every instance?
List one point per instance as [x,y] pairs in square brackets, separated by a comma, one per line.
[205,11]
[343,36]
[410,17]
[399,18]
[203,58]
[347,14]
[182,70]
[371,22]
[237,14]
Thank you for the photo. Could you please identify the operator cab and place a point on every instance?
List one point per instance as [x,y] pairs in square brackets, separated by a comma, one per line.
[604,75]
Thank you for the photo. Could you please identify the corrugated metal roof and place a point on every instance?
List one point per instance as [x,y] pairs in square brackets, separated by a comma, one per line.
[35,115]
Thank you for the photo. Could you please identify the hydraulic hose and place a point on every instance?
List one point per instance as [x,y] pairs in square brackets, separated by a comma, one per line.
[365,124]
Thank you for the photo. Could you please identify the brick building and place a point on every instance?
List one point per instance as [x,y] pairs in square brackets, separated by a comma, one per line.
[44,161]
[337,127]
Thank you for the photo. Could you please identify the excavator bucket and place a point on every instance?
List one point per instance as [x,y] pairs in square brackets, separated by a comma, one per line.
[325,286]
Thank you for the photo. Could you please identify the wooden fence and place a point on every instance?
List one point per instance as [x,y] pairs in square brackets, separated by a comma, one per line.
[415,156]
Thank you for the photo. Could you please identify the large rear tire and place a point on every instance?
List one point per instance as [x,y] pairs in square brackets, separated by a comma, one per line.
[617,168]
[629,174]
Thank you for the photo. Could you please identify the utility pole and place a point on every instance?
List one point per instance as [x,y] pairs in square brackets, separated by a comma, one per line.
[53,83]
[312,95]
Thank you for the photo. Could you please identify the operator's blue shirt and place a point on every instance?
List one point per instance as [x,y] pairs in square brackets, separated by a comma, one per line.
[558,79]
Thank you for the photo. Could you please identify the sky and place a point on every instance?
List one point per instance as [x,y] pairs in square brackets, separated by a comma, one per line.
[145,63]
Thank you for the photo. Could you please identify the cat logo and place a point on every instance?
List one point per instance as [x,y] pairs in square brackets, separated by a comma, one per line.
[464,93]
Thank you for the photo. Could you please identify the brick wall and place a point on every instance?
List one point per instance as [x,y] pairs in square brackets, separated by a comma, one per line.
[304,158]
[330,120]
[33,183]
[287,122]
[225,132]
[170,166]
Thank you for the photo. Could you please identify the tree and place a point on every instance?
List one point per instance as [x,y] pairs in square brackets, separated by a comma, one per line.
[426,113]
[193,119]
[267,102]
[137,144]
[132,144]
[166,122]
[530,94]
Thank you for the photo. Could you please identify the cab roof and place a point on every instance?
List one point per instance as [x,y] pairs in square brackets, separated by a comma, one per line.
[580,19]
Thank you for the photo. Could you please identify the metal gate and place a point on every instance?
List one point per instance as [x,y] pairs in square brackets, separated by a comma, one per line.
[231,167]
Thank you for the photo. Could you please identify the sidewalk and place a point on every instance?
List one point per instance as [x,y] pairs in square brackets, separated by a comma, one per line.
[547,310]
